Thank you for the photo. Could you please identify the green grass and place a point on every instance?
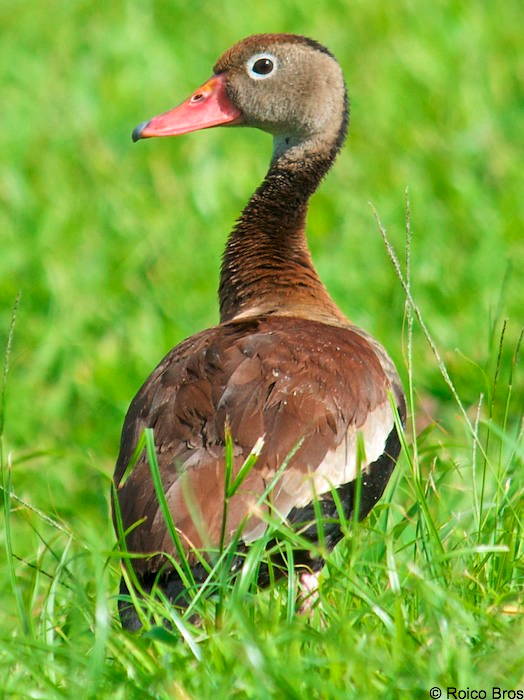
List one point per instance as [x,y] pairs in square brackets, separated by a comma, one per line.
[114,248]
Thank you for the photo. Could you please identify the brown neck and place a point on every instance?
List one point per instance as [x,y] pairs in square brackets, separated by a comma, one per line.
[267,266]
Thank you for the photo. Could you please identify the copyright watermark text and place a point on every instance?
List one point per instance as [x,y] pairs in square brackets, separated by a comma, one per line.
[494,693]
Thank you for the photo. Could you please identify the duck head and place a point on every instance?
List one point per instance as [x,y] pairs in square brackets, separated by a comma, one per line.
[285,84]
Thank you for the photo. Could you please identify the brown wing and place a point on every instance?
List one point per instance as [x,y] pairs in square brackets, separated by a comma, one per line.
[286,379]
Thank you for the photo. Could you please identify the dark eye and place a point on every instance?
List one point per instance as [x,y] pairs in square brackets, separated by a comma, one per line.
[263,66]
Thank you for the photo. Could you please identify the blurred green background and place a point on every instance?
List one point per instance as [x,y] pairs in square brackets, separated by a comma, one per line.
[115,247]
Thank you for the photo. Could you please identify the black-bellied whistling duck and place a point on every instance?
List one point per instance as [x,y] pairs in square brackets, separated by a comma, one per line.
[284,363]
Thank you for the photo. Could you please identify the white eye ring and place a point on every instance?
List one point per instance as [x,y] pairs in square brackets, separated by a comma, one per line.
[267,62]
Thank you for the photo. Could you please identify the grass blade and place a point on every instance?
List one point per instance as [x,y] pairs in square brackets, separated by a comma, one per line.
[188,579]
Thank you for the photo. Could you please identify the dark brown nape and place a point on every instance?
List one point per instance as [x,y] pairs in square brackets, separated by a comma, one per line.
[267,264]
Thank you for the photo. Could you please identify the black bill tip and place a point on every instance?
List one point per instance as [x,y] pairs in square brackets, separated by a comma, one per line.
[137,131]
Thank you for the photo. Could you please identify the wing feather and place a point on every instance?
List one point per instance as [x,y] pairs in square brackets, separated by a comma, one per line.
[286,379]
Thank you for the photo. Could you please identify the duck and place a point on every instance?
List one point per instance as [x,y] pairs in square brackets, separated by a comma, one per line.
[285,374]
